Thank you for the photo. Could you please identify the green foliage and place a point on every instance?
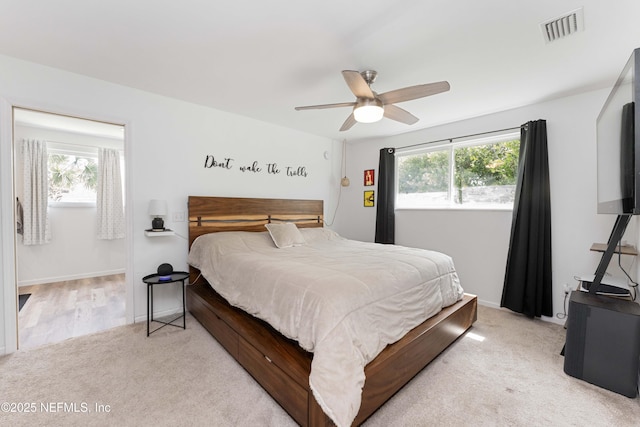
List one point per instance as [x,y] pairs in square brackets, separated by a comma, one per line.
[89,174]
[67,172]
[486,165]
[427,172]
[474,166]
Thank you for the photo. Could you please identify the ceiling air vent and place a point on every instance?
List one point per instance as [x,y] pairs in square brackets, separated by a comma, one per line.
[563,26]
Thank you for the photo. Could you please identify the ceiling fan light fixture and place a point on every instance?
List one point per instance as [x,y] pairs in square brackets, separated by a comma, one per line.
[368,110]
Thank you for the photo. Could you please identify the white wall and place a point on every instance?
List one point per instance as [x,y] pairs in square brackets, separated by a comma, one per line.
[478,240]
[166,142]
[74,251]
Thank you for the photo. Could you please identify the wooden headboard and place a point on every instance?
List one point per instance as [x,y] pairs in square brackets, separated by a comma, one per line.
[214,214]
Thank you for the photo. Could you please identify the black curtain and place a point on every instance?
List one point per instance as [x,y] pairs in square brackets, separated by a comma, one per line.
[527,282]
[385,215]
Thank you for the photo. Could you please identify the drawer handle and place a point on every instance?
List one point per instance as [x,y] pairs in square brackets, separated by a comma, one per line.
[268,360]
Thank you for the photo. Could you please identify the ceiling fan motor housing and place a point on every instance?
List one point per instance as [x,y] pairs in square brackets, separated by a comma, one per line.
[369,76]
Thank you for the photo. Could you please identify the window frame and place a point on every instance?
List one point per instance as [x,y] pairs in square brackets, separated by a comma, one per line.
[451,145]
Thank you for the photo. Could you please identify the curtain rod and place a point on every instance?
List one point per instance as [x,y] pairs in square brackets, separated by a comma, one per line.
[458,137]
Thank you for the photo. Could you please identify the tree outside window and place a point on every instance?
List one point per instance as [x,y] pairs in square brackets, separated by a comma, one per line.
[72,178]
[471,175]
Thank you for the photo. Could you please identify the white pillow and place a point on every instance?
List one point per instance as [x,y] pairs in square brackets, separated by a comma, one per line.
[285,235]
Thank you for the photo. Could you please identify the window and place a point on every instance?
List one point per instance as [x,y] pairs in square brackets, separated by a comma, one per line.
[478,173]
[72,178]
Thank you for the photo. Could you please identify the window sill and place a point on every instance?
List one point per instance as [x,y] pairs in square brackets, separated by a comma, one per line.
[72,204]
[460,208]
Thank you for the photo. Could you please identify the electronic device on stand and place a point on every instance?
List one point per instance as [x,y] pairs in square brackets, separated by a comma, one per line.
[609,286]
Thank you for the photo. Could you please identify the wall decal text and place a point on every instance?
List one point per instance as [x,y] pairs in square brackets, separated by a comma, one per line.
[228,163]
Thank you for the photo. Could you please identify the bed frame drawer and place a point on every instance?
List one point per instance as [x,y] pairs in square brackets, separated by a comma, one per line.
[205,313]
[278,384]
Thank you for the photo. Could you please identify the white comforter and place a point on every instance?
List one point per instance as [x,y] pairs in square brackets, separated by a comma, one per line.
[341,299]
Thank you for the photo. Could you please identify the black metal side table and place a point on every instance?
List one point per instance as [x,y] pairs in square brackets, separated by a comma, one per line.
[155,279]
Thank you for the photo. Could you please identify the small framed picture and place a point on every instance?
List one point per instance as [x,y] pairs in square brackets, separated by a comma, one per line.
[369,199]
[369,177]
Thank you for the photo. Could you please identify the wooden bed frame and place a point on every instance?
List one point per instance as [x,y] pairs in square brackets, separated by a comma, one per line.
[279,364]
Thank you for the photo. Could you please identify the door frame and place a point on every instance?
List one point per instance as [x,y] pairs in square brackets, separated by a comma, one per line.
[8,240]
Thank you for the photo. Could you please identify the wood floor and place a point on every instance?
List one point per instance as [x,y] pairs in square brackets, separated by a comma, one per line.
[57,311]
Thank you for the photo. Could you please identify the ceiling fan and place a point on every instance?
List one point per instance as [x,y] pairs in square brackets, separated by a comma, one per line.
[370,107]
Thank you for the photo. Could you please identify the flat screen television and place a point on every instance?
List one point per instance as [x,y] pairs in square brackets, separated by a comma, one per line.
[618,144]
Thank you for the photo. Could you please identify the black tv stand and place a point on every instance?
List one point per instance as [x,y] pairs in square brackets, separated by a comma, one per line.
[616,235]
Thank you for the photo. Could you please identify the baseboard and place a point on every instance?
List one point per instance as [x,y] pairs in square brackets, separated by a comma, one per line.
[543,318]
[159,314]
[488,303]
[3,351]
[69,277]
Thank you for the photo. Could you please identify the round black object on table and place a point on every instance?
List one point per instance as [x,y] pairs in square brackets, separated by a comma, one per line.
[164,271]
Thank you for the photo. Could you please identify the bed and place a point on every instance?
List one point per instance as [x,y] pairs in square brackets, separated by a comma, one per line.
[282,365]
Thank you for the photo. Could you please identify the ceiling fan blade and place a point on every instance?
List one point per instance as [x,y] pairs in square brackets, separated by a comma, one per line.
[351,120]
[398,114]
[318,107]
[413,92]
[357,84]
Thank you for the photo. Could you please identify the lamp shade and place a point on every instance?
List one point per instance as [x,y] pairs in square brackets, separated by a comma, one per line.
[157,207]
[368,110]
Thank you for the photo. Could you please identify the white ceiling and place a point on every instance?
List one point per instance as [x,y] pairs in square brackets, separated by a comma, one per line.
[262,58]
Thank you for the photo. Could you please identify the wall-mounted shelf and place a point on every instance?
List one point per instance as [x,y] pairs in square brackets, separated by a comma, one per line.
[165,232]
[624,250]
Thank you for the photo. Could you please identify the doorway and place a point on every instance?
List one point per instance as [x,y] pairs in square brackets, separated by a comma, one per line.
[74,283]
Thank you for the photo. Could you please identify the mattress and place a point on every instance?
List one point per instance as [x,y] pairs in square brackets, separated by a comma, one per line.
[342,300]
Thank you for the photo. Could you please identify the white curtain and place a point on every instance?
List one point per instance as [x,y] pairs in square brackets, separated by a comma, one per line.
[36,193]
[109,196]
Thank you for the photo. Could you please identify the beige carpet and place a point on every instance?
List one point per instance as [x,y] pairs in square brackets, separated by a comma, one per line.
[513,376]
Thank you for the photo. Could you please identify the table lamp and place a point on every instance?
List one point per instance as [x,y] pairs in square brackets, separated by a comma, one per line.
[157,209]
